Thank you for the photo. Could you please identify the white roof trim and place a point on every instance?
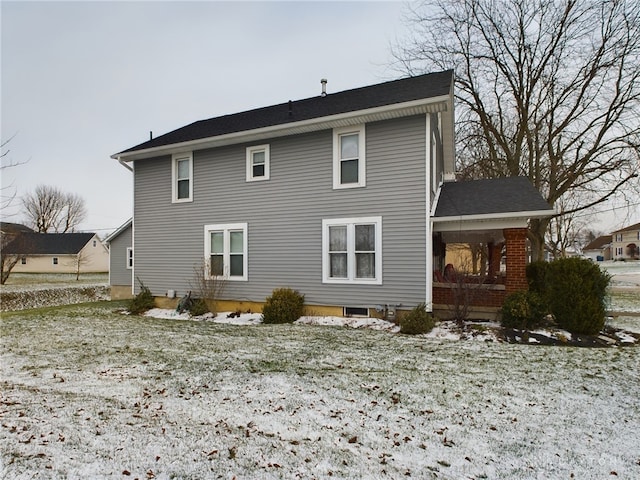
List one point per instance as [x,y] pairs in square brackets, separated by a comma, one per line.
[119,230]
[494,216]
[415,107]
[494,221]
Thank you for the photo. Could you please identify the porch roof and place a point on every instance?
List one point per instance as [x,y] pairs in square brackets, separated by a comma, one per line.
[487,206]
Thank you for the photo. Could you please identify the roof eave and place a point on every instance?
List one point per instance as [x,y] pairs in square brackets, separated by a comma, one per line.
[489,220]
[415,107]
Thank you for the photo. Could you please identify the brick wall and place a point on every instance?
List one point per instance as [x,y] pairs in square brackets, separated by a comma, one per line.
[516,242]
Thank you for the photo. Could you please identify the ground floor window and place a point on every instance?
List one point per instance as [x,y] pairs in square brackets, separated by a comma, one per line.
[352,250]
[226,251]
[129,258]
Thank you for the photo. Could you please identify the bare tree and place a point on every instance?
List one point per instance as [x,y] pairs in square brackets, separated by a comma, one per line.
[12,250]
[50,209]
[80,260]
[547,90]
[8,193]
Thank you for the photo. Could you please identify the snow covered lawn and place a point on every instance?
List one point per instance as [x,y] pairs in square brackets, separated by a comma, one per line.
[86,392]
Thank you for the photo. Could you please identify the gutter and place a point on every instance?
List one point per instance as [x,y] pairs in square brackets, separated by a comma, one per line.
[124,163]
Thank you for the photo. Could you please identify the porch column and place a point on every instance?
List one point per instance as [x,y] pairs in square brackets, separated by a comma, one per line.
[515,239]
[495,251]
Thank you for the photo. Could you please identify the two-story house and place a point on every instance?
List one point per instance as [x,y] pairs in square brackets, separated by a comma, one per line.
[347,197]
[625,243]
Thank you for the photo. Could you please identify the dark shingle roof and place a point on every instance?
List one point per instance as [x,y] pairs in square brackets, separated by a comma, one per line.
[489,196]
[629,228]
[48,243]
[599,243]
[383,94]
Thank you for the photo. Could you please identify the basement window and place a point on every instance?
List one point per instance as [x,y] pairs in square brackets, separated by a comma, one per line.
[355,312]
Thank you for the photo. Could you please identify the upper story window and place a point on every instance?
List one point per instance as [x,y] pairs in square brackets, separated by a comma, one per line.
[55,260]
[349,163]
[258,163]
[182,177]
[129,258]
[352,250]
[225,250]
[618,237]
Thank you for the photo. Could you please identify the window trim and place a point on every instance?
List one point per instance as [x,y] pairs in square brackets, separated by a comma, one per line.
[362,163]
[175,158]
[226,228]
[267,162]
[351,223]
[129,258]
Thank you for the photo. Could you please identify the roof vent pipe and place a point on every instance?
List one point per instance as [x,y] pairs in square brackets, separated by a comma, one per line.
[324,87]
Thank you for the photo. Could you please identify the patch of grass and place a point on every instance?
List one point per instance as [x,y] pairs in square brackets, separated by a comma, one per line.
[175,401]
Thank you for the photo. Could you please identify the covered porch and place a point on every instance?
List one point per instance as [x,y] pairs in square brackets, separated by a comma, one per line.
[487,221]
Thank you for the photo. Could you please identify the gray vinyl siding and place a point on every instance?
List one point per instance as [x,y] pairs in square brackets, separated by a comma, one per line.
[119,274]
[284,216]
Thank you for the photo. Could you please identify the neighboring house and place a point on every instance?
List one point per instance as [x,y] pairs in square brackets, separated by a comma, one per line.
[625,244]
[347,197]
[59,253]
[599,249]
[120,244]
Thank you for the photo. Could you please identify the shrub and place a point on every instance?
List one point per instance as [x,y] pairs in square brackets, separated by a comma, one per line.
[575,289]
[524,310]
[142,302]
[537,276]
[208,288]
[417,321]
[283,306]
[198,307]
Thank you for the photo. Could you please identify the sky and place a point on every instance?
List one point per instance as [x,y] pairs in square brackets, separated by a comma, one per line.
[83,80]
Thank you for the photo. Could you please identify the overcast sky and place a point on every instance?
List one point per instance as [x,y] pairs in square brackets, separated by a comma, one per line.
[84,80]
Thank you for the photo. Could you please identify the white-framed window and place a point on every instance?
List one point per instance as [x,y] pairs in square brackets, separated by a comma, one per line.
[23,260]
[618,250]
[182,177]
[258,162]
[55,260]
[618,237]
[129,258]
[225,251]
[352,250]
[349,162]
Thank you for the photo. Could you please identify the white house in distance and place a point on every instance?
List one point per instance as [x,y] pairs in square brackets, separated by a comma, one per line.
[626,243]
[59,253]
[599,249]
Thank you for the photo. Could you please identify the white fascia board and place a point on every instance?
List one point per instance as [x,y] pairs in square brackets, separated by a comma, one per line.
[385,112]
[487,221]
[119,230]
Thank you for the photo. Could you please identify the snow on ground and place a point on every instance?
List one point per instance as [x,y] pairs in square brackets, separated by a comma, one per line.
[86,392]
